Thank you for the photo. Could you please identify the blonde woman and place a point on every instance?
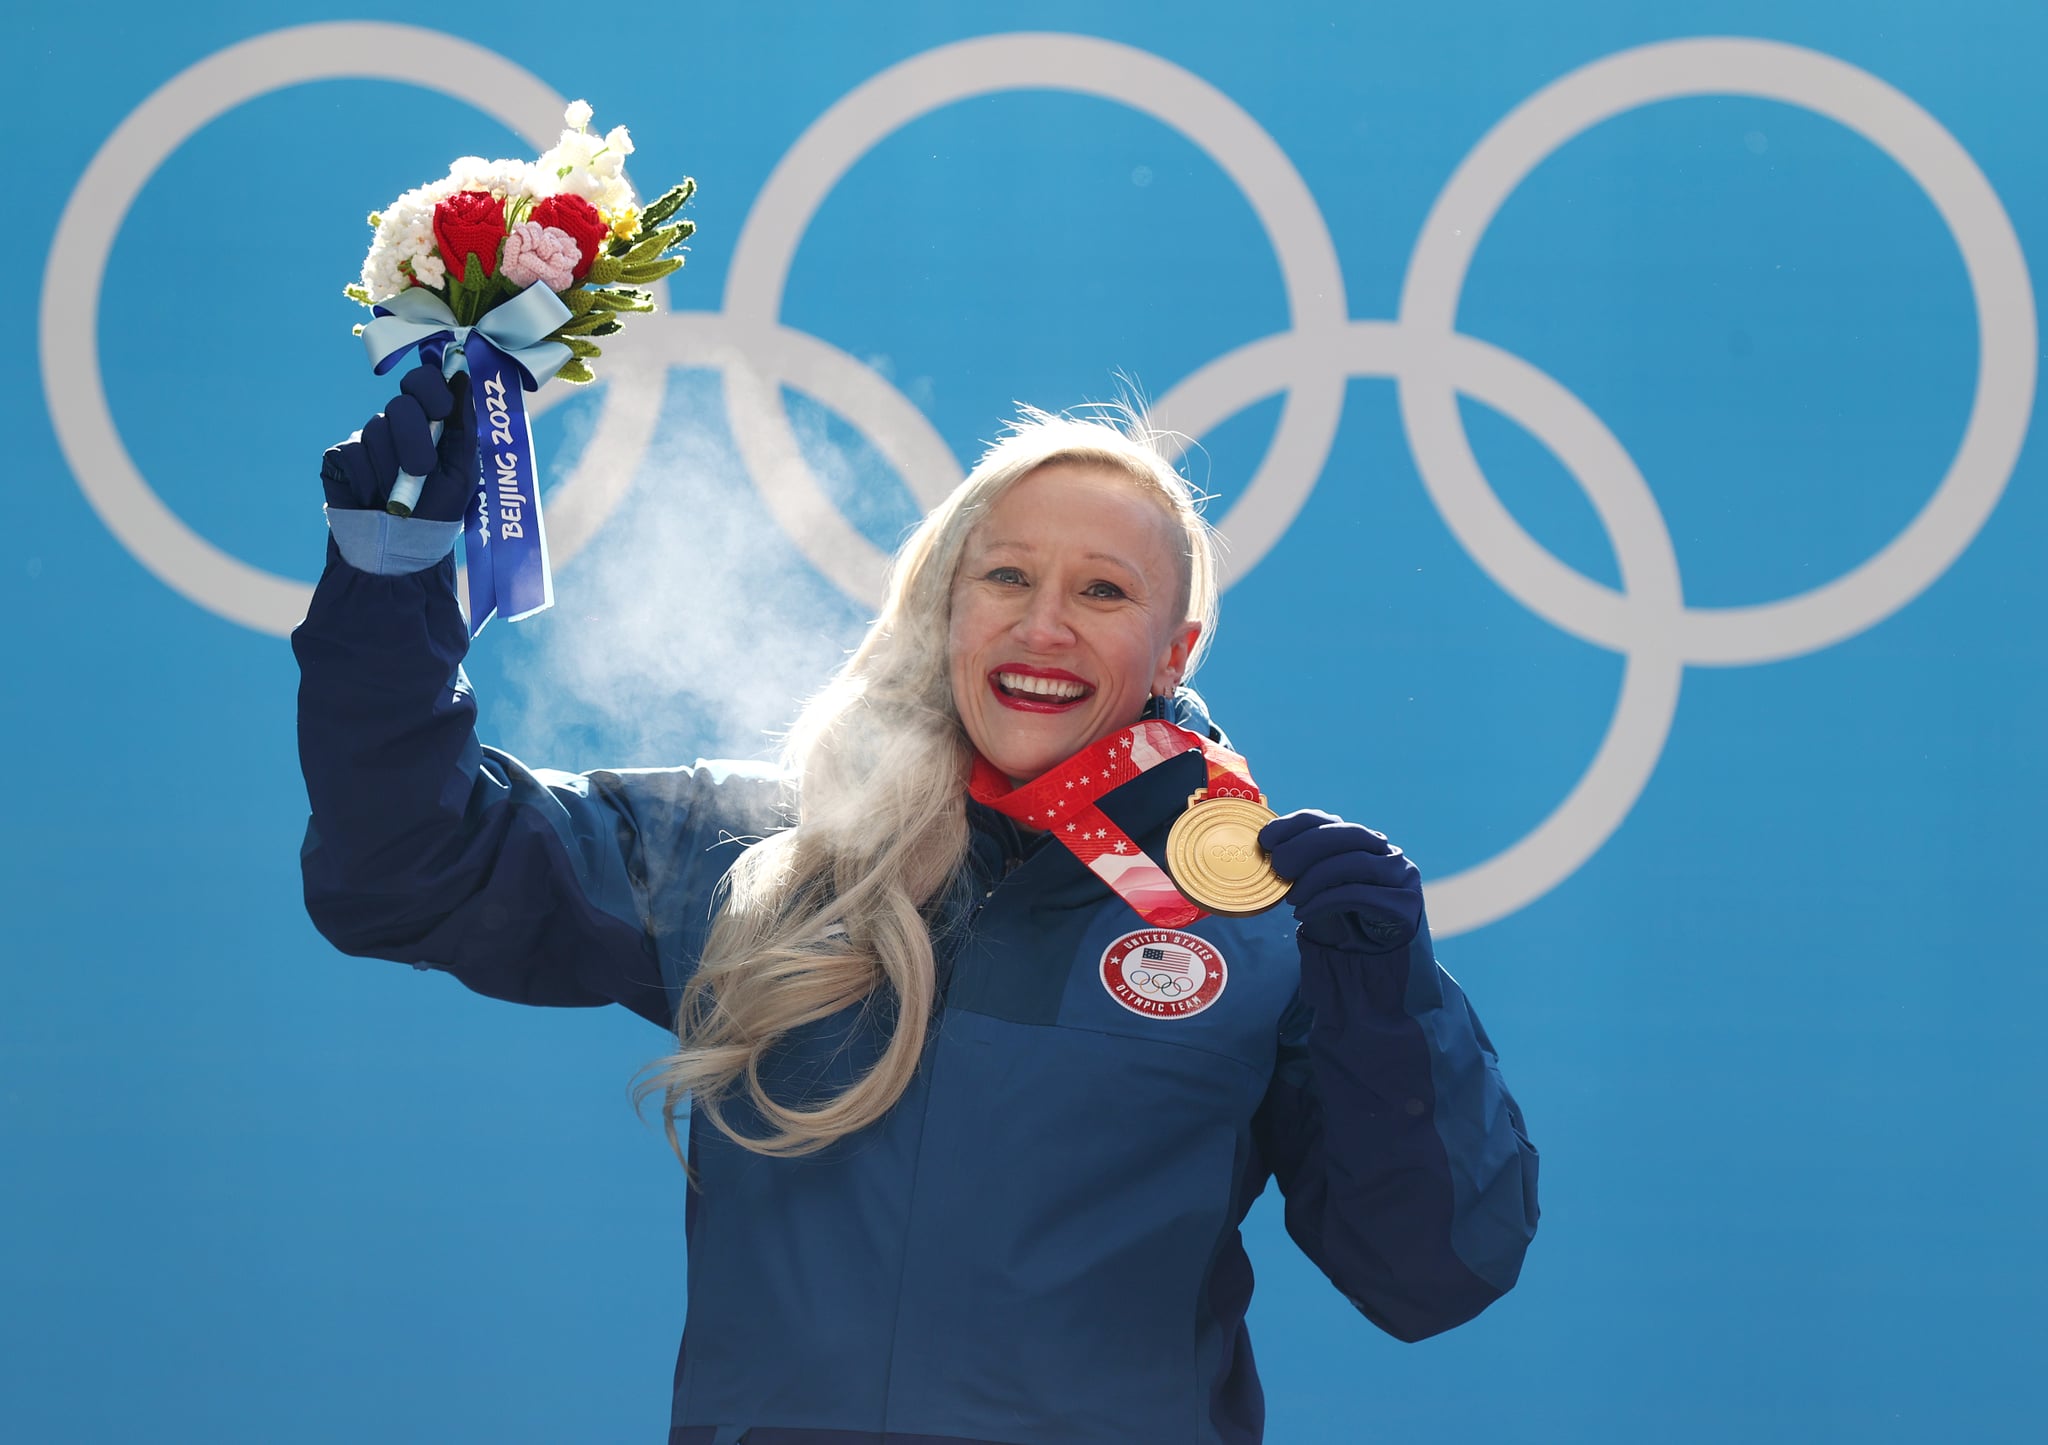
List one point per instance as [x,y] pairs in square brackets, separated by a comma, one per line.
[973,1101]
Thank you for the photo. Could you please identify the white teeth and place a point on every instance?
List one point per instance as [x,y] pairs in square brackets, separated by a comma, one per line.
[1042,686]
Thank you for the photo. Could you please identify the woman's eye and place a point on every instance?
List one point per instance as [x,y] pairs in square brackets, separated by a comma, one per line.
[1105,590]
[1008,575]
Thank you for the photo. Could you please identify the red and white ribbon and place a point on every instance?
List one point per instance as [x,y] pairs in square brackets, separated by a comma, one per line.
[1063,803]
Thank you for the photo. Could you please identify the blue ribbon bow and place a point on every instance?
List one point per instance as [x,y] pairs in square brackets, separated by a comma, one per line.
[506,354]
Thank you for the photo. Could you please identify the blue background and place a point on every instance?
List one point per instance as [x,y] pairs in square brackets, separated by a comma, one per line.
[1778,1039]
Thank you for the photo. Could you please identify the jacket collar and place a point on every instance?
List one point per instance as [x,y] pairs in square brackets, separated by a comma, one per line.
[1185,709]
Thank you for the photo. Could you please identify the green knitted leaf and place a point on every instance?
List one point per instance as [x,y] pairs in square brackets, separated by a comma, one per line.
[575,373]
[603,272]
[652,271]
[667,204]
[646,248]
[653,243]
[621,299]
[466,297]
[596,323]
[356,294]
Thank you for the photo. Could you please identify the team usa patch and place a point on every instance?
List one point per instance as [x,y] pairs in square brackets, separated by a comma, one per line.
[1163,973]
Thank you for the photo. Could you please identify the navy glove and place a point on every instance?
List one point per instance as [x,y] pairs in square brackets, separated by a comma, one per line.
[358,473]
[1352,888]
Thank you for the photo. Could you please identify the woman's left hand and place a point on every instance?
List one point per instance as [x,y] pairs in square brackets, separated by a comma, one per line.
[1351,886]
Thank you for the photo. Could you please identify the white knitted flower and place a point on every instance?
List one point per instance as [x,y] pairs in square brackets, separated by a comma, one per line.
[577,115]
[429,270]
[381,276]
[502,178]
[413,212]
[582,164]
[567,156]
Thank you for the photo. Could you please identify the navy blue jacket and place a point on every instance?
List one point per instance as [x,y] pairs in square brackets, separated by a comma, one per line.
[1039,1244]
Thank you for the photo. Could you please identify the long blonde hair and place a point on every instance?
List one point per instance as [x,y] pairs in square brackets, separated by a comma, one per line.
[829,913]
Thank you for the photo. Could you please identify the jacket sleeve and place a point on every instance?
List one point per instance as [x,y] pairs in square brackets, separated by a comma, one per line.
[1409,1178]
[427,848]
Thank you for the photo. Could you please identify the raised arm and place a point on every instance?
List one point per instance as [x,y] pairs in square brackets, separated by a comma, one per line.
[1409,1177]
[426,847]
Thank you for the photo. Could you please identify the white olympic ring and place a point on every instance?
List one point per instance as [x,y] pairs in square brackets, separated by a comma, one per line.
[1647,620]
[873,111]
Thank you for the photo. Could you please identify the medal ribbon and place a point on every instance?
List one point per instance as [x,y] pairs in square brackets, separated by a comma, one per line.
[1063,803]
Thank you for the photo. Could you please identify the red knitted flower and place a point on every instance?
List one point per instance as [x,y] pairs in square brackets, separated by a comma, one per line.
[576,216]
[469,223]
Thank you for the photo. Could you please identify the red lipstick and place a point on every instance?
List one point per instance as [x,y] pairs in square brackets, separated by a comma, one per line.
[1024,700]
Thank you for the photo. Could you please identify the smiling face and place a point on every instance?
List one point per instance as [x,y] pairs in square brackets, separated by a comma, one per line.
[1068,614]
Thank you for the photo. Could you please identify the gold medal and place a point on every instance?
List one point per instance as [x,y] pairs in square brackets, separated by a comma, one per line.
[1214,856]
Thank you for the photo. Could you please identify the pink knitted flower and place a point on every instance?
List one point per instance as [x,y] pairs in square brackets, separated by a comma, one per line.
[534,252]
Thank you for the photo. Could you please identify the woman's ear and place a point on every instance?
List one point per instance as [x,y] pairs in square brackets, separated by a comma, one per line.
[1173,663]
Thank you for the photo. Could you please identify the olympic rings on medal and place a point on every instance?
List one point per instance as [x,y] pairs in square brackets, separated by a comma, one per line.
[1431,363]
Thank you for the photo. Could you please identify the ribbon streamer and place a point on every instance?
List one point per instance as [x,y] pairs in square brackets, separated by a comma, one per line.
[506,354]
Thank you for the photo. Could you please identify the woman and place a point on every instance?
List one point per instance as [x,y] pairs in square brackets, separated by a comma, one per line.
[973,1130]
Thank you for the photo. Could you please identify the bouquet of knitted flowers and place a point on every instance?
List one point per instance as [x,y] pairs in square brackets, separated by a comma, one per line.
[569,220]
[510,271]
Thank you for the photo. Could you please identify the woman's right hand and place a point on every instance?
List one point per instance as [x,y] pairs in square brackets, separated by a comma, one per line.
[357,474]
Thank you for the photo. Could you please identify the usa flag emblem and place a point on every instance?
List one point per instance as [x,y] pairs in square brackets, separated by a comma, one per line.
[1163,973]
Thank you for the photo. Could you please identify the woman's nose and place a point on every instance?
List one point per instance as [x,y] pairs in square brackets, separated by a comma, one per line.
[1045,626]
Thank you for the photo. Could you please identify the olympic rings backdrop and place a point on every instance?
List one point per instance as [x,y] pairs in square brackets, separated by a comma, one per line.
[1624,423]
